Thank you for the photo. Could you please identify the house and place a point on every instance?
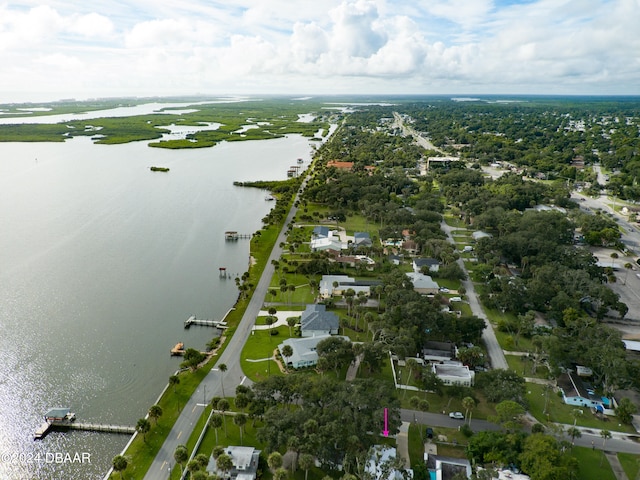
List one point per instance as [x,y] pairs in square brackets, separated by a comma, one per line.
[431,264]
[395,259]
[327,289]
[315,320]
[304,350]
[379,465]
[575,392]
[454,373]
[320,232]
[423,284]
[362,239]
[438,351]
[330,243]
[245,463]
[478,234]
[353,260]
[447,468]
[410,246]
[345,166]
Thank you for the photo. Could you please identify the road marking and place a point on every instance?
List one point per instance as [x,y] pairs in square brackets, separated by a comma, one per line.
[163,464]
[177,438]
[194,408]
[243,379]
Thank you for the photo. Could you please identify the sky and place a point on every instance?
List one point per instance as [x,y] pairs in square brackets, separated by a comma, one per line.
[106,48]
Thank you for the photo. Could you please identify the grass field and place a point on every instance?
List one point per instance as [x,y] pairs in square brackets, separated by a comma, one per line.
[630,464]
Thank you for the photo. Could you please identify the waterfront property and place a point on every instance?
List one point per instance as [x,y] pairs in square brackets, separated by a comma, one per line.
[316,320]
[245,463]
[338,284]
[304,350]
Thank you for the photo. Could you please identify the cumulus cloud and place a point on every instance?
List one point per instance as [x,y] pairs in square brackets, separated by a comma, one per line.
[426,46]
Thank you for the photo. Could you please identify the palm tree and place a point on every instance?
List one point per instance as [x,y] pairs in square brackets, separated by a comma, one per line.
[224,464]
[274,461]
[240,420]
[469,404]
[181,455]
[605,434]
[291,321]
[306,461]
[269,322]
[215,422]
[202,460]
[223,406]
[155,412]
[119,464]
[173,381]
[287,352]
[223,368]
[143,426]
[193,466]
[272,312]
[574,433]
[280,474]
[292,289]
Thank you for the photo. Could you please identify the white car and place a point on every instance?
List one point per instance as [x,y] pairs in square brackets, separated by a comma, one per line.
[456,415]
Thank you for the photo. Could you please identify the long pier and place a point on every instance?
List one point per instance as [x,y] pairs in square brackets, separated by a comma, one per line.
[192,320]
[46,427]
[103,427]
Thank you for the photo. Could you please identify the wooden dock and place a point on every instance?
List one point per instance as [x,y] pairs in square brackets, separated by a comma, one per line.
[46,427]
[233,235]
[192,320]
[102,427]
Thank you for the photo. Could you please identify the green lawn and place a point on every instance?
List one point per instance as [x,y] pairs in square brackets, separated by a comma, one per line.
[630,464]
[559,412]
[523,366]
[591,466]
[261,345]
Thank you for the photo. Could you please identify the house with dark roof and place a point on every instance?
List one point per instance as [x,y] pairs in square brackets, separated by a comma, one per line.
[430,264]
[320,232]
[362,239]
[576,393]
[316,320]
[423,284]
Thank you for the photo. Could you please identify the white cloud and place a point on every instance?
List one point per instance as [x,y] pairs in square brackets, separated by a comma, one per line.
[434,46]
[91,25]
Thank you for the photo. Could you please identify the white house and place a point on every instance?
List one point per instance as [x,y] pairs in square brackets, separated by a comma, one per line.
[304,350]
[245,463]
[454,373]
[378,467]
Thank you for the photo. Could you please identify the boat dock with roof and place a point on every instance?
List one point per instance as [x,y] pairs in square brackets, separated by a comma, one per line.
[64,419]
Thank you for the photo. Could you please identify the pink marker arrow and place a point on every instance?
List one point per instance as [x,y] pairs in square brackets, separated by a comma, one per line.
[385,432]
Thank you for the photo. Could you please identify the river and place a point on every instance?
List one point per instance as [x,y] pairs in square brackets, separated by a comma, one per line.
[101,261]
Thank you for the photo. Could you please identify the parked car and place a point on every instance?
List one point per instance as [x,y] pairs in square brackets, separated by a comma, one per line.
[429,432]
[444,289]
[456,415]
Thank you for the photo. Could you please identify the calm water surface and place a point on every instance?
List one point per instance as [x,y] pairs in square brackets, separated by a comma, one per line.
[101,261]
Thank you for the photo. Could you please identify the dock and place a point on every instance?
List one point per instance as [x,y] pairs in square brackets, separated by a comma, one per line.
[102,427]
[233,235]
[178,349]
[63,419]
[192,320]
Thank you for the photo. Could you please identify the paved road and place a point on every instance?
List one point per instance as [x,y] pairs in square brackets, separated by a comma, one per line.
[496,355]
[216,383]
[619,442]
